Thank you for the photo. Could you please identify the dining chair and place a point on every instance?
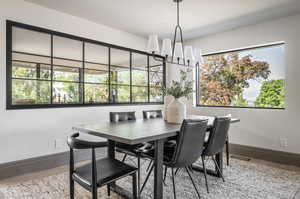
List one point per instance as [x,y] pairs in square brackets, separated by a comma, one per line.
[215,144]
[227,150]
[227,144]
[98,172]
[132,150]
[190,141]
[121,147]
[150,114]
[170,143]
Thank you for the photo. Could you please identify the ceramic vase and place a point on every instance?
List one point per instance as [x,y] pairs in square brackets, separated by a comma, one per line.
[176,111]
[167,101]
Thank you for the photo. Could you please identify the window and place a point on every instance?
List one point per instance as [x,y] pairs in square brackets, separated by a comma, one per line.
[252,77]
[51,69]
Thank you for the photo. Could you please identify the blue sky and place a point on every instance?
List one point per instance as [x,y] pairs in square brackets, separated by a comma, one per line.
[275,57]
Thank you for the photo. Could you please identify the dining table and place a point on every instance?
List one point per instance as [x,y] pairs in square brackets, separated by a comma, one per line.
[139,131]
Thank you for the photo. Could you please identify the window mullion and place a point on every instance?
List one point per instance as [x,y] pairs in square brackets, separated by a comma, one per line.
[130,65]
[109,76]
[51,63]
[148,69]
[81,76]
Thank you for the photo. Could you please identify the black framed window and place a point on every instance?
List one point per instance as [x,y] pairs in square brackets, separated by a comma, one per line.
[245,78]
[51,69]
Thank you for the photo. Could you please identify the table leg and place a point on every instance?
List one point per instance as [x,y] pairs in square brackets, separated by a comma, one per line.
[219,160]
[158,169]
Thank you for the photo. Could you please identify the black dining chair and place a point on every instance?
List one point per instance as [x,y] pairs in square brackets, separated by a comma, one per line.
[227,150]
[190,141]
[121,147]
[170,143]
[132,150]
[150,114]
[215,144]
[98,172]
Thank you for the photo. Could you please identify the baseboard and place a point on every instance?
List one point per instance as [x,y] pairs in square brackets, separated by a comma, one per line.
[266,154]
[41,163]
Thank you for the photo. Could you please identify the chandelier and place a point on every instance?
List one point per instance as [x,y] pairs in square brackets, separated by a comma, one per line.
[174,53]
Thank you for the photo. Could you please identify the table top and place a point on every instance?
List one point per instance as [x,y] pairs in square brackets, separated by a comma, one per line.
[137,131]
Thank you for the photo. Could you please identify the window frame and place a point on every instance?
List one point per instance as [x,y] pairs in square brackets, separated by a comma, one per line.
[9,78]
[197,98]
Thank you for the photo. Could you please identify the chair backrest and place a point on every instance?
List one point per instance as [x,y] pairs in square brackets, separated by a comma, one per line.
[149,114]
[190,142]
[75,143]
[217,137]
[121,116]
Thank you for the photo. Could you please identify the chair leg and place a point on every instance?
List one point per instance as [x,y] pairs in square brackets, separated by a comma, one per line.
[71,188]
[173,181]
[139,175]
[150,163]
[191,168]
[124,157]
[205,173]
[94,192]
[218,167]
[134,187]
[177,171]
[227,152]
[146,180]
[187,170]
[165,174]
[108,189]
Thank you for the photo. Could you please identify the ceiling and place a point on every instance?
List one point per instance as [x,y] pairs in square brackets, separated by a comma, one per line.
[198,17]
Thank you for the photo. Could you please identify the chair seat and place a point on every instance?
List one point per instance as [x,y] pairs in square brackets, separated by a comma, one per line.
[108,170]
[168,153]
[134,150]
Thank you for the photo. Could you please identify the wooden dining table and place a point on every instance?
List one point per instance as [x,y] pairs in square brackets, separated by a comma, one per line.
[145,130]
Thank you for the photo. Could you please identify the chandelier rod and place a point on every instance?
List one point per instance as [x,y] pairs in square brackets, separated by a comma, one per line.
[178,27]
[178,13]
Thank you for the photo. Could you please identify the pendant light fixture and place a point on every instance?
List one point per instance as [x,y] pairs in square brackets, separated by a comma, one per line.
[174,53]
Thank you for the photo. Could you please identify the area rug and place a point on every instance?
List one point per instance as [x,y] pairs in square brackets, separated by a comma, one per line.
[244,180]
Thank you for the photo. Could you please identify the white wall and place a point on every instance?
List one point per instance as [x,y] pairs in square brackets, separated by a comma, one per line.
[30,133]
[260,127]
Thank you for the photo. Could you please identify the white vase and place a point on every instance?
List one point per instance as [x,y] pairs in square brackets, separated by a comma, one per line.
[176,111]
[167,101]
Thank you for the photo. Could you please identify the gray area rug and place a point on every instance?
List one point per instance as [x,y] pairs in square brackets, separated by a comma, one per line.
[244,179]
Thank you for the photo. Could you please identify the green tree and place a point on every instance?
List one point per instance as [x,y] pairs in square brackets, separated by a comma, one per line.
[225,76]
[271,94]
[240,101]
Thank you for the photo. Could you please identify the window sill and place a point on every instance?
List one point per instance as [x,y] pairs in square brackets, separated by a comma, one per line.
[38,106]
[240,107]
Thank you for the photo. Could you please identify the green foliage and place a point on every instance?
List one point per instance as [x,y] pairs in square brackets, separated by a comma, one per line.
[271,94]
[181,88]
[240,101]
[225,76]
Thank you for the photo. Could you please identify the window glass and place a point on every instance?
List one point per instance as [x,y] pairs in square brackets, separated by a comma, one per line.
[48,69]
[140,94]
[30,41]
[120,93]
[96,93]
[30,92]
[245,78]
[67,48]
[139,69]
[66,93]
